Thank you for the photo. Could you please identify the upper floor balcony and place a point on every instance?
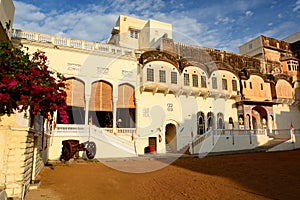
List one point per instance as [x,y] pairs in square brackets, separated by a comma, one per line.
[72,43]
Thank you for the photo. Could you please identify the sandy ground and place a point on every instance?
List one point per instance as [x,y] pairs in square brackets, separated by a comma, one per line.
[242,176]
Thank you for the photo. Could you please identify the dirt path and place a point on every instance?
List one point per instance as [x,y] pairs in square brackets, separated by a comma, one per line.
[242,176]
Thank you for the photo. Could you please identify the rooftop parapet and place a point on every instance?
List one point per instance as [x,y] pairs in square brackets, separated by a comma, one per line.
[72,43]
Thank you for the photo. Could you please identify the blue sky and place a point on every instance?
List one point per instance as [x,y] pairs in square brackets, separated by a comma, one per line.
[220,24]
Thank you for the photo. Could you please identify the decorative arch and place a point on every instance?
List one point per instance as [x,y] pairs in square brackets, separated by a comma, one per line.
[220,121]
[201,123]
[171,134]
[156,55]
[101,96]
[284,89]
[210,120]
[201,67]
[126,96]
[75,89]
[101,105]
[259,117]
[126,106]
[220,66]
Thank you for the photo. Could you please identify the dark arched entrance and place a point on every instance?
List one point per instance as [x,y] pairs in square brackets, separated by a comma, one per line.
[201,123]
[259,117]
[210,121]
[171,139]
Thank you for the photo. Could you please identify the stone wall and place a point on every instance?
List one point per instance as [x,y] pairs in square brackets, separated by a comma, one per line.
[213,58]
[21,159]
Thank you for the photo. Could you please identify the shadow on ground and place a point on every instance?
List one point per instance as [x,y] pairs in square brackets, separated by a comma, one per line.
[274,175]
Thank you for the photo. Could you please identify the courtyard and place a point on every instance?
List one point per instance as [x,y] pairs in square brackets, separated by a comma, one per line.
[241,176]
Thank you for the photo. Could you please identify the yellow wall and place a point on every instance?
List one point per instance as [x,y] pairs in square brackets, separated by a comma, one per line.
[256,93]
[7,10]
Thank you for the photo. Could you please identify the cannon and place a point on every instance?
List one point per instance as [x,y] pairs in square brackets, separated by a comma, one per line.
[71,149]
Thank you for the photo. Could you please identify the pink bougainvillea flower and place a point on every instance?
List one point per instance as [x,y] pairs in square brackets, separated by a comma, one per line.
[28,83]
[12,84]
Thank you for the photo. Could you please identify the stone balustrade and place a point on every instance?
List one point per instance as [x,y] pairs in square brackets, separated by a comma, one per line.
[73,43]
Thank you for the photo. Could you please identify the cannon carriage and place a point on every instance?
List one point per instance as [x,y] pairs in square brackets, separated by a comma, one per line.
[71,149]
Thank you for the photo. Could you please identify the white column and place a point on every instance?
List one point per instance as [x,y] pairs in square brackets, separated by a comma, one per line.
[87,105]
[87,97]
[115,99]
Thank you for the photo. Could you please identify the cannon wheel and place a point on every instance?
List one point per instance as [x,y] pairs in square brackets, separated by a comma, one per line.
[90,150]
[66,152]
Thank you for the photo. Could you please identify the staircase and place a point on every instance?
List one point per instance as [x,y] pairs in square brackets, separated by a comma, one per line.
[112,139]
[168,149]
[270,144]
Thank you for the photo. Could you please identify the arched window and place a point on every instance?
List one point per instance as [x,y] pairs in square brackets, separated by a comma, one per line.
[125,106]
[210,121]
[201,123]
[100,109]
[220,118]
[75,89]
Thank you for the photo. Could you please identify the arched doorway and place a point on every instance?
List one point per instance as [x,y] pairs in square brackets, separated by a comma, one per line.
[220,118]
[254,122]
[248,122]
[100,108]
[75,101]
[126,106]
[210,121]
[201,123]
[171,139]
[259,117]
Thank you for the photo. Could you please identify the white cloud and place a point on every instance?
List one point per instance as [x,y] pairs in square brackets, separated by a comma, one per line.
[279,31]
[214,25]
[297,6]
[87,24]
[248,13]
[223,20]
[94,23]
[27,12]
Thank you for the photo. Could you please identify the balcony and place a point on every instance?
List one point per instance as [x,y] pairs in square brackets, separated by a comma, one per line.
[72,43]
[155,87]
[224,94]
[83,130]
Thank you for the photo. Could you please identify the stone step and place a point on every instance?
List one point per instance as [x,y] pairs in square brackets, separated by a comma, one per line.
[270,144]
[168,149]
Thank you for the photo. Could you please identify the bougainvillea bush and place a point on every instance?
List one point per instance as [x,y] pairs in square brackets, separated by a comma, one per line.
[27,83]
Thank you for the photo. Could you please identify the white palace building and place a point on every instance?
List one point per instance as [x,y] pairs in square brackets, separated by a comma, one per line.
[144,92]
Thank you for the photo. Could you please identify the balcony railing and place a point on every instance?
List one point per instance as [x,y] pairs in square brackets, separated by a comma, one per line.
[68,42]
[82,129]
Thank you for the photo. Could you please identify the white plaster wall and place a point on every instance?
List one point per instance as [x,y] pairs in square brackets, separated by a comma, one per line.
[293,143]
[103,149]
[153,115]
[227,143]
[91,64]
[284,115]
